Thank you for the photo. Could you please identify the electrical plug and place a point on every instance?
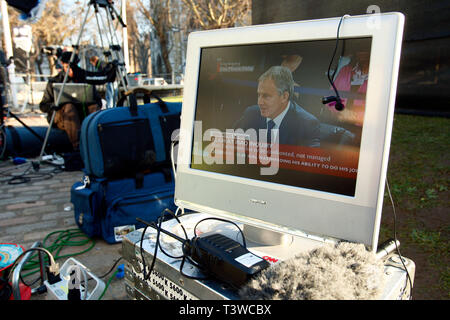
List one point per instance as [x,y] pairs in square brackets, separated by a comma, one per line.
[53,273]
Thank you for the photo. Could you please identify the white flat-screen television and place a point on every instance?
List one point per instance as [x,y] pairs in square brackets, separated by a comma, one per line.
[322,173]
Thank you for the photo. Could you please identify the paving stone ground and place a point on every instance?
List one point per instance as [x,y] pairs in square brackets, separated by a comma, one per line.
[32,210]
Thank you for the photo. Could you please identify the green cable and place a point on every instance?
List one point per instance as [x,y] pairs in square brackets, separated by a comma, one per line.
[66,242]
[65,238]
[107,284]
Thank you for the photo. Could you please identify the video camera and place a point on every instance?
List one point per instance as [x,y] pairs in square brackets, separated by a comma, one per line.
[52,50]
[102,3]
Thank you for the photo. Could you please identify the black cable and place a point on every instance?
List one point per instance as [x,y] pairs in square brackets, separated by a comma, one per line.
[5,164]
[158,233]
[16,262]
[339,105]
[395,240]
[112,268]
[144,268]
[26,176]
[18,180]
[332,58]
[142,252]
[29,284]
[158,244]
[185,235]
[5,290]
[184,257]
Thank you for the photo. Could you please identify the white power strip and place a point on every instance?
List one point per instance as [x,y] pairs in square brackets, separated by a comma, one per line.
[54,159]
[60,290]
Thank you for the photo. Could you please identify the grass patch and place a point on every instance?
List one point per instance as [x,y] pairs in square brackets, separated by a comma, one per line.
[438,247]
[428,239]
[418,170]
[418,176]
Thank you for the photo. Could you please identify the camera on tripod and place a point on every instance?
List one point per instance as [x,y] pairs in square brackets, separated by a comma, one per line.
[53,51]
[102,3]
[108,4]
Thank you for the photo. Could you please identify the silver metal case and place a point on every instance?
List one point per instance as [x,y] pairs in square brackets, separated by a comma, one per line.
[166,282]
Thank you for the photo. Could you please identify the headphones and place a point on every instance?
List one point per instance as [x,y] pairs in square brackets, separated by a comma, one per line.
[325,100]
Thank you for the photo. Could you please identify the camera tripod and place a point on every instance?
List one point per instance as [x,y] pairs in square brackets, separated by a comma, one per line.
[111,14]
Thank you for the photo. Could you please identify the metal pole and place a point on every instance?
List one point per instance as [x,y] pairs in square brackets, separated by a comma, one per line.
[62,88]
[29,79]
[9,51]
[15,283]
[119,55]
[126,55]
[96,12]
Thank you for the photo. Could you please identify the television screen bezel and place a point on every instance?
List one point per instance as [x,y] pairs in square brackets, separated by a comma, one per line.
[351,218]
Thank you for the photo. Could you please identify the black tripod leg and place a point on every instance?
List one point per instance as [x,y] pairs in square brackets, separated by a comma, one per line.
[26,126]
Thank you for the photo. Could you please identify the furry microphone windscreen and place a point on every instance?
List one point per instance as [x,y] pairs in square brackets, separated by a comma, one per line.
[345,271]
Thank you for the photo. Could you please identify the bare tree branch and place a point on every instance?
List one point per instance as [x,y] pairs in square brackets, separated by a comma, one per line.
[215,14]
[158,13]
[52,29]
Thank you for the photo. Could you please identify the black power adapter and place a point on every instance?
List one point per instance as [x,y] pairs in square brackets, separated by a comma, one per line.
[225,259]
[221,257]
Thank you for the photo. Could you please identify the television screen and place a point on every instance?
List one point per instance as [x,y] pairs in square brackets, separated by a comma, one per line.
[313,145]
[263,139]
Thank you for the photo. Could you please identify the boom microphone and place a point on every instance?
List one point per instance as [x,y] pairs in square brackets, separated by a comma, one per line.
[346,271]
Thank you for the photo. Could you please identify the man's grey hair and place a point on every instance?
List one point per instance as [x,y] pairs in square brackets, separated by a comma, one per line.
[282,77]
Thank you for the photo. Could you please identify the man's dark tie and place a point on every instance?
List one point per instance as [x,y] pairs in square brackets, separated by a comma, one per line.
[270,125]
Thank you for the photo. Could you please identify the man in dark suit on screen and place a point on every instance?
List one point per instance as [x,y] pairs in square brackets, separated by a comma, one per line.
[284,120]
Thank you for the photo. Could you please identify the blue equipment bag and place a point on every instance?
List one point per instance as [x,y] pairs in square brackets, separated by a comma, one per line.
[117,142]
[87,201]
[109,208]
